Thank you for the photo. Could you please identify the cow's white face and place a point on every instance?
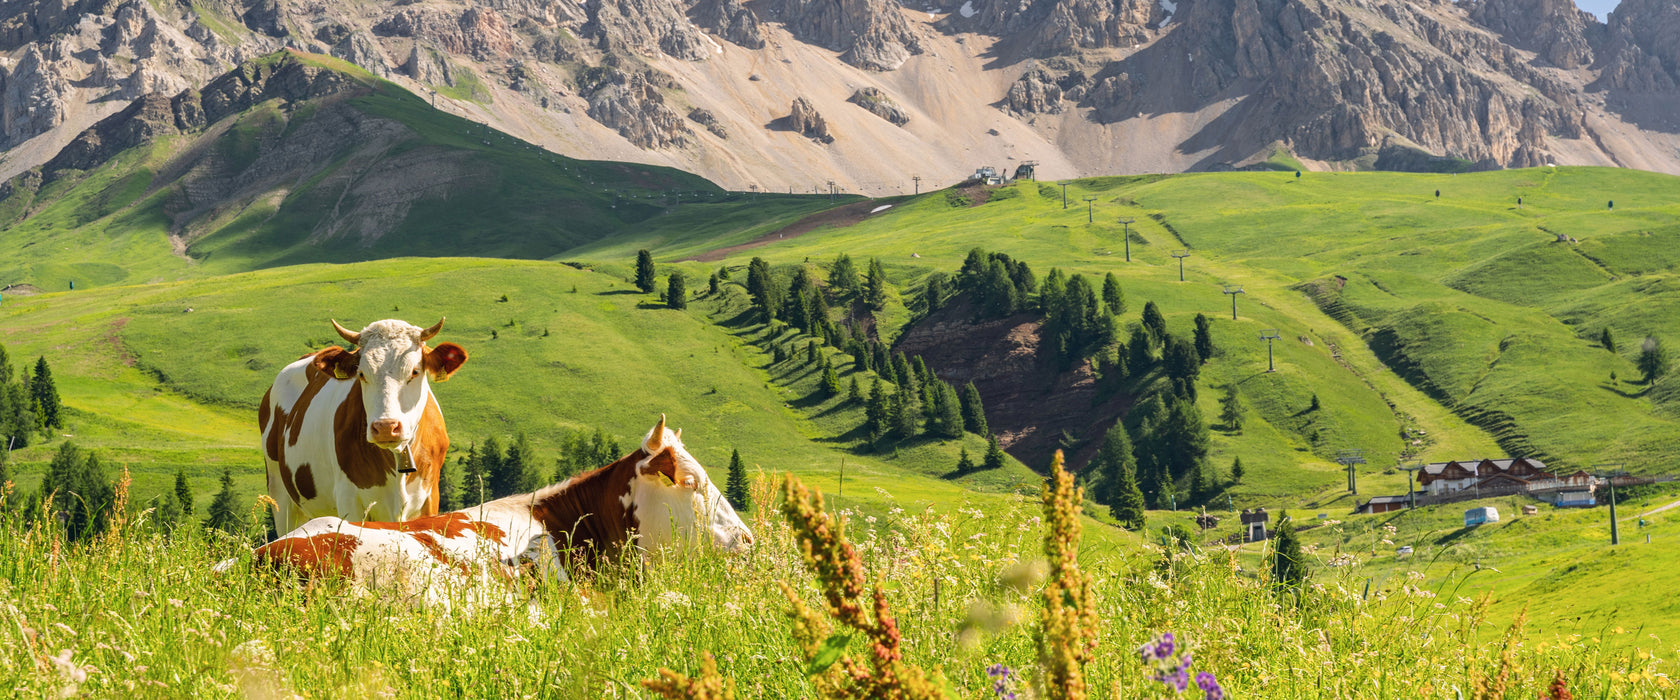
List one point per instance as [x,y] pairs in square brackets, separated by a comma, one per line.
[392,367]
[676,501]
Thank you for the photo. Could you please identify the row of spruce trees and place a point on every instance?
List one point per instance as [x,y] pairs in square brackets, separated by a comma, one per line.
[78,494]
[29,404]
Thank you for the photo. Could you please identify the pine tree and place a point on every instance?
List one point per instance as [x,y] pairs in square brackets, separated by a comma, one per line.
[1114,298]
[516,476]
[475,480]
[183,492]
[644,271]
[1236,470]
[875,288]
[948,411]
[842,275]
[1230,408]
[902,375]
[1185,439]
[224,510]
[830,381]
[1607,340]
[44,396]
[1289,566]
[1140,352]
[965,464]
[1120,370]
[1204,338]
[812,352]
[994,455]
[878,411]
[713,285]
[449,492]
[1314,405]
[765,291]
[1154,322]
[854,392]
[166,512]
[1653,359]
[906,412]
[1200,484]
[973,413]
[1113,457]
[676,290]
[737,489]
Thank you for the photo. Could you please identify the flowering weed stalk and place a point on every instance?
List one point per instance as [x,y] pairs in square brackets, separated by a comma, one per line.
[709,686]
[1067,636]
[839,573]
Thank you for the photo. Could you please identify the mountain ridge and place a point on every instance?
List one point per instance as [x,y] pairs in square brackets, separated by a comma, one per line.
[1080,87]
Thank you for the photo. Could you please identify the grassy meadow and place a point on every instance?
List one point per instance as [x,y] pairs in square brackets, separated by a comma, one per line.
[1425,327]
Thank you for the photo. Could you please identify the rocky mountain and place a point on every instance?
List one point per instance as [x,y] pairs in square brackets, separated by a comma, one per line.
[1078,86]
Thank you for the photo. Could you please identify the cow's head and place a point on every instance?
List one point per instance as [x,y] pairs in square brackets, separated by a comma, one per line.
[391,363]
[675,500]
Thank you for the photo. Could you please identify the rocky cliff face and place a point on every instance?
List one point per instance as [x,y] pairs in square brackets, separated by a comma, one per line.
[1141,85]
[632,104]
[1556,30]
[871,34]
[1060,27]
[1642,50]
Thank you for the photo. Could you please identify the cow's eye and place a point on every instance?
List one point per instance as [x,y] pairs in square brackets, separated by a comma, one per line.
[416,373]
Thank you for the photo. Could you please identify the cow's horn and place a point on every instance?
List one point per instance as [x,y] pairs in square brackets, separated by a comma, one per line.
[427,334]
[345,333]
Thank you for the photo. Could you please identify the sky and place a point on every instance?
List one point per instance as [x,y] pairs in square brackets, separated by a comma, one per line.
[1601,8]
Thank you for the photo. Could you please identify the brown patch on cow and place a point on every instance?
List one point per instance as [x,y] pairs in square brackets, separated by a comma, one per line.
[429,449]
[263,414]
[326,554]
[431,544]
[338,362]
[449,525]
[442,361]
[586,516]
[305,482]
[665,464]
[281,427]
[363,463]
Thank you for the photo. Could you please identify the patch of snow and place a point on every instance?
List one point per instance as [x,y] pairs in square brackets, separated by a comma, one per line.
[880,209]
[968,9]
[1171,9]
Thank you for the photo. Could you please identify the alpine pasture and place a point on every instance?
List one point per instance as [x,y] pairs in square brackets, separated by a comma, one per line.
[1422,328]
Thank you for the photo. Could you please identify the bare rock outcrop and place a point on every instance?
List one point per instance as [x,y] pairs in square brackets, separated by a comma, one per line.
[358,47]
[1035,92]
[880,104]
[631,104]
[731,20]
[481,33]
[1060,27]
[705,118]
[1557,30]
[1642,51]
[805,120]
[647,27]
[870,34]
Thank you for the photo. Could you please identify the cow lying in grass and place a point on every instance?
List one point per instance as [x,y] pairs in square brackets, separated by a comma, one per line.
[654,497]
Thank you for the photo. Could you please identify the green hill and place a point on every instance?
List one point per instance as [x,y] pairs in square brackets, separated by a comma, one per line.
[296,158]
[1428,328]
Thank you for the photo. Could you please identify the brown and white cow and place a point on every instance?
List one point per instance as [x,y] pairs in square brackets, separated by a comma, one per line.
[653,498]
[357,433]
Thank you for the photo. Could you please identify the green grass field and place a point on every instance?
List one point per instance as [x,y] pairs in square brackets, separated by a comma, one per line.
[1427,328]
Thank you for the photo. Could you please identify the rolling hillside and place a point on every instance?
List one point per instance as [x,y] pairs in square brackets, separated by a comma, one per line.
[294,158]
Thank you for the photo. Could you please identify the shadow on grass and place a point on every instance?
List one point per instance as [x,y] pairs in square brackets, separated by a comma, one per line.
[620,292]
[1617,390]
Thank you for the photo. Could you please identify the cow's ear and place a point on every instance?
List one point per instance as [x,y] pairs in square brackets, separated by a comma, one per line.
[338,362]
[443,360]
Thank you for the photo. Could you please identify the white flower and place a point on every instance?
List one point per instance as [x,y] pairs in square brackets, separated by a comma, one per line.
[673,599]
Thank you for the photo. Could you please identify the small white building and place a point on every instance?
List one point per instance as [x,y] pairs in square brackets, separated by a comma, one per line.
[1482,515]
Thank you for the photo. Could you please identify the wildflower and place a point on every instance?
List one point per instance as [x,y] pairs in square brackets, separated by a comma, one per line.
[672,599]
[1003,681]
[1210,686]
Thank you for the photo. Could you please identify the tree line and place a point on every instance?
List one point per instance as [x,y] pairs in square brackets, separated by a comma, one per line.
[29,404]
[78,494]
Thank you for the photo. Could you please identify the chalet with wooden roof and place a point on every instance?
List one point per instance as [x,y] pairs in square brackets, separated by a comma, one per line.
[1457,475]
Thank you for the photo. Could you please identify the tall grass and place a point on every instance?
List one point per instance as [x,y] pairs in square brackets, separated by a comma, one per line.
[138,613]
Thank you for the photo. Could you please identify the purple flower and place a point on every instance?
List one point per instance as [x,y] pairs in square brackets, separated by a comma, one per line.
[1210,686]
[1164,646]
[1003,687]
